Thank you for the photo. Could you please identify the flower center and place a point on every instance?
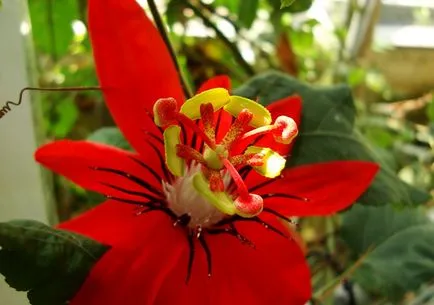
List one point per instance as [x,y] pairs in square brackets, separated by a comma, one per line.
[183,199]
[207,184]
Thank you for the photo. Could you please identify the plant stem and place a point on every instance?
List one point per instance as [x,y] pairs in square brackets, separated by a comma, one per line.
[210,8]
[163,32]
[52,33]
[229,44]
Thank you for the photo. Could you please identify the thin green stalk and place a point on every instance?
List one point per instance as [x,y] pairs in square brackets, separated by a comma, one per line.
[163,32]
[229,44]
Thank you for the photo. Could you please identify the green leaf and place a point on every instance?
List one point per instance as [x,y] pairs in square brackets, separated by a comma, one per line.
[378,223]
[67,114]
[247,12]
[430,110]
[291,6]
[110,136]
[50,264]
[327,133]
[52,32]
[285,3]
[401,264]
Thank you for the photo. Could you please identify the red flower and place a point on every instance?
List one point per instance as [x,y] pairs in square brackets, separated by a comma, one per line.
[205,217]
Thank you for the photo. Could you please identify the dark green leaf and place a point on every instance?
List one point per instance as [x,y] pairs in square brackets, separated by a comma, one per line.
[366,226]
[50,264]
[401,264]
[174,12]
[247,12]
[327,133]
[110,136]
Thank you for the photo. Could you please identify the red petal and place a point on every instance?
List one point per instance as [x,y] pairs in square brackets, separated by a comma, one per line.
[144,249]
[273,273]
[219,81]
[76,160]
[329,187]
[147,263]
[291,107]
[133,65]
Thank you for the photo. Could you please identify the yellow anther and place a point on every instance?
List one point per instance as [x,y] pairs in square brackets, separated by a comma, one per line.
[261,116]
[217,97]
[219,199]
[172,138]
[273,163]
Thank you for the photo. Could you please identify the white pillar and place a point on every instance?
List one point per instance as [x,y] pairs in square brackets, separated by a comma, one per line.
[22,191]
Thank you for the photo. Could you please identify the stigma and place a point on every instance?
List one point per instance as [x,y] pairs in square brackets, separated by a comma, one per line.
[207,184]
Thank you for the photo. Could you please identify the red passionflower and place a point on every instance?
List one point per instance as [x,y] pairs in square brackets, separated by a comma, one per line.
[187,205]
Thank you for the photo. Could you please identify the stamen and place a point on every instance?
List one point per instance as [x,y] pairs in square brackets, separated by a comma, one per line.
[247,205]
[272,163]
[213,156]
[247,159]
[237,129]
[207,115]
[165,110]
[216,183]
[218,97]
[252,134]
[219,199]
[261,116]
[284,130]
[171,140]
[182,118]
[241,187]
[189,154]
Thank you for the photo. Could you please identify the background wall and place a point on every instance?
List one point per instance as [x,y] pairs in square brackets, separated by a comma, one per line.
[21,190]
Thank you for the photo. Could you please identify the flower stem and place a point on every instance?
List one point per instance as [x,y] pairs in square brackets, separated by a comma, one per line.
[163,32]
[229,44]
